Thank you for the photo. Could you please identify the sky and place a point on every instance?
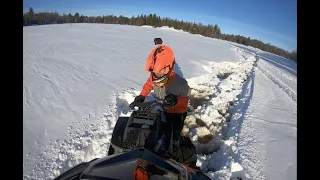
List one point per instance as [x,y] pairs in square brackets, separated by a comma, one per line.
[270,21]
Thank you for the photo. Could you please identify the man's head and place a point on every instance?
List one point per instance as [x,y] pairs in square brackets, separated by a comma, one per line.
[157,41]
[162,65]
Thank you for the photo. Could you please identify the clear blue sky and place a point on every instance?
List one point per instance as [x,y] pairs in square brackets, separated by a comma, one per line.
[271,21]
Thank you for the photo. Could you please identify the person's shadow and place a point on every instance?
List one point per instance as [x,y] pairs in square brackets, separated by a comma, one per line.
[177,70]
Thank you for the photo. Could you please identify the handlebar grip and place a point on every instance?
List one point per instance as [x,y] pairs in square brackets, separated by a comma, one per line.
[144,105]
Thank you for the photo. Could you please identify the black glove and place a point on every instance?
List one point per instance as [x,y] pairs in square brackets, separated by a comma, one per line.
[170,101]
[137,99]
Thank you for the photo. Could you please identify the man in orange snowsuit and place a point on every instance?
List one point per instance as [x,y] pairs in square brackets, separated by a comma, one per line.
[168,86]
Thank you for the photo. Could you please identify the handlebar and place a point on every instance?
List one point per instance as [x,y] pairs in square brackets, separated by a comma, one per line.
[146,106]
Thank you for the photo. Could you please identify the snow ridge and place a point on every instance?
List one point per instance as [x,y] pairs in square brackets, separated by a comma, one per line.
[213,97]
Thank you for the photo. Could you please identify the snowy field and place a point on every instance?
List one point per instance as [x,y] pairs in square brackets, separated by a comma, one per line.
[79,78]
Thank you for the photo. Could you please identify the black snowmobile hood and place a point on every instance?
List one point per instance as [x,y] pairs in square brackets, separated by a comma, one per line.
[121,166]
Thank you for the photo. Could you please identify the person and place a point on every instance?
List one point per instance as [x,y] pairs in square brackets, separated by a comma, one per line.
[169,87]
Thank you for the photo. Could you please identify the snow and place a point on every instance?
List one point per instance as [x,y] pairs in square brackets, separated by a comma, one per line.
[272,116]
[79,79]
[171,29]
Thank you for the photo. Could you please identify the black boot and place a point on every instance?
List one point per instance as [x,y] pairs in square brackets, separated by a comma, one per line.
[176,144]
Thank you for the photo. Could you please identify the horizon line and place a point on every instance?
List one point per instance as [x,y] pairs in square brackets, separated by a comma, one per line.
[26,10]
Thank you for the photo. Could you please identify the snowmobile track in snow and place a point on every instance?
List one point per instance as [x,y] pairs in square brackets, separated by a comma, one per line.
[281,85]
[289,77]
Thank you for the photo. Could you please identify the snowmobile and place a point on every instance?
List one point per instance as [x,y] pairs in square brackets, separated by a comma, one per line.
[146,128]
[140,139]
[122,166]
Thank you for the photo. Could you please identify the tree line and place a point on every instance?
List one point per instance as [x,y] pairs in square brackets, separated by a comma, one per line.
[213,31]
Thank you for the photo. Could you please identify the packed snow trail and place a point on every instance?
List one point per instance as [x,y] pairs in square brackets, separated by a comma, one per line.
[270,129]
[282,71]
[269,124]
[260,140]
[277,61]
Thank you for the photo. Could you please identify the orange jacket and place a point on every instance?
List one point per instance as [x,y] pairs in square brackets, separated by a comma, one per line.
[176,85]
